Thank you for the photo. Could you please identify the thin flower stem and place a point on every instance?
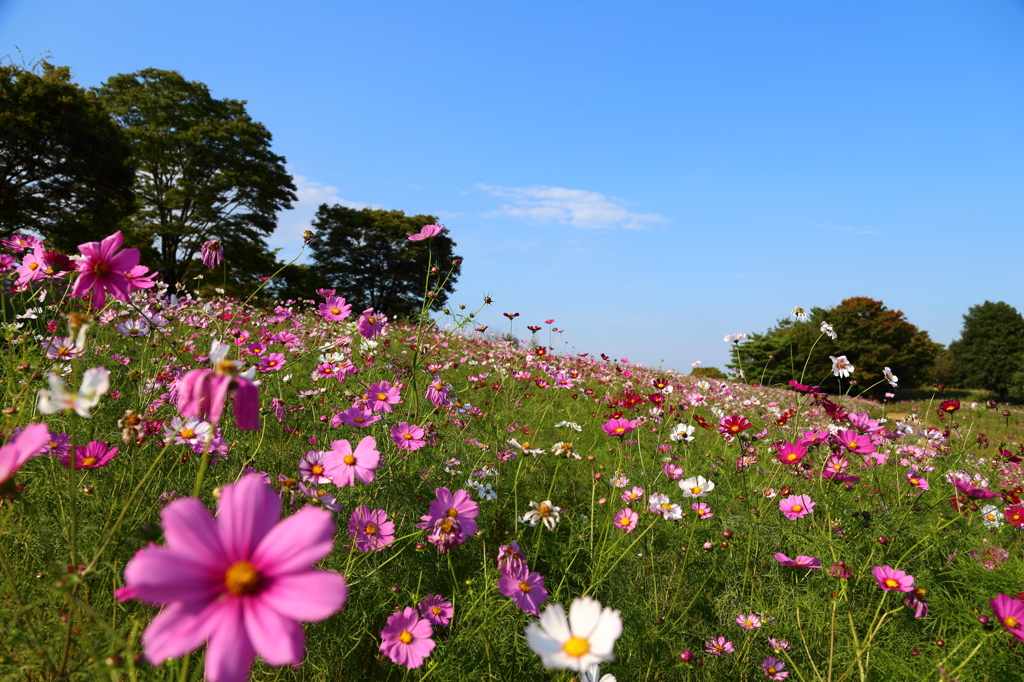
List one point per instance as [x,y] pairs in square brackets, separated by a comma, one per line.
[800,629]
[204,463]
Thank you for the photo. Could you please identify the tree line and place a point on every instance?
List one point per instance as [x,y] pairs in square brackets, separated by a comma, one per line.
[989,354]
[161,159]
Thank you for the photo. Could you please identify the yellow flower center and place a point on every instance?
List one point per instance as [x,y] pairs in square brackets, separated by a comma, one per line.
[407,436]
[372,320]
[851,444]
[619,429]
[88,461]
[370,529]
[892,584]
[1011,622]
[382,396]
[359,420]
[524,586]
[771,670]
[798,508]
[349,460]
[453,513]
[187,433]
[791,457]
[695,490]
[436,610]
[317,469]
[624,521]
[576,646]
[242,578]
[335,311]
[405,637]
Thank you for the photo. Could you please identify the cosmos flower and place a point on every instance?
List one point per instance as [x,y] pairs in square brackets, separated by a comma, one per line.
[890,579]
[827,330]
[1010,614]
[841,367]
[796,506]
[544,512]
[95,382]
[585,639]
[93,456]
[406,639]
[436,610]
[103,269]
[626,519]
[335,309]
[212,253]
[426,232]
[371,530]
[343,466]
[20,449]
[527,590]
[696,486]
[801,561]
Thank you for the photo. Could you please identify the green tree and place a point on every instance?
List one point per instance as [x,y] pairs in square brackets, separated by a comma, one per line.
[205,171]
[65,169]
[367,257]
[990,350]
[870,335]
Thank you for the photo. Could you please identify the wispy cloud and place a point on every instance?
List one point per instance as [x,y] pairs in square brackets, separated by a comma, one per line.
[293,222]
[576,207]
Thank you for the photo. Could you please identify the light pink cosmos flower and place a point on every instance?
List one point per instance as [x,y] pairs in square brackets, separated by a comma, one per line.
[343,466]
[626,519]
[371,530]
[748,622]
[408,436]
[20,449]
[203,392]
[890,579]
[240,582]
[635,494]
[103,270]
[796,506]
[335,309]
[527,591]
[382,395]
[702,510]
[801,561]
[406,639]
[426,232]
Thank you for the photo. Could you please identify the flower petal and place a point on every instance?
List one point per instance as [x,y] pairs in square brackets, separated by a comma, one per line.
[246,513]
[296,543]
[309,596]
[190,529]
[278,639]
[230,651]
[176,630]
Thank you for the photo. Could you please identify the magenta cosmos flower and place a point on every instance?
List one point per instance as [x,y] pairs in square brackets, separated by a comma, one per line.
[618,427]
[527,591]
[371,530]
[854,442]
[335,309]
[408,436]
[973,491]
[1010,614]
[426,232]
[796,506]
[512,560]
[371,323]
[790,453]
[240,582]
[890,579]
[436,610]
[203,392]
[93,456]
[103,270]
[626,519]
[343,466]
[773,669]
[382,395]
[20,449]
[801,561]
[406,639]
[449,519]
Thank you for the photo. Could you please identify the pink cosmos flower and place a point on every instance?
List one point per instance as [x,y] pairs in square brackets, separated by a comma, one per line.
[343,466]
[335,309]
[801,561]
[854,442]
[790,453]
[733,424]
[354,416]
[890,578]
[371,529]
[435,609]
[528,592]
[702,509]
[203,392]
[449,519]
[748,622]
[718,646]
[673,471]
[618,427]
[19,242]
[240,582]
[635,494]
[914,478]
[103,270]
[813,438]
[406,639]
[1010,614]
[796,506]
[312,469]
[93,456]
[272,362]
[426,232]
[408,436]
[382,395]
[626,519]
[20,449]
[512,560]
[371,323]
[773,669]
[973,491]
[916,604]
[212,253]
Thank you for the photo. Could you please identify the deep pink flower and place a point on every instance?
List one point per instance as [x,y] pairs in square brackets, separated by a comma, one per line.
[618,427]
[203,392]
[702,509]
[335,309]
[626,519]
[371,323]
[406,639]
[813,438]
[354,416]
[426,232]
[890,578]
[103,270]
[343,466]
[408,436]
[450,518]
[796,506]
[718,646]
[973,491]
[371,529]
[93,456]
[1010,614]
[435,609]
[914,478]
[272,362]
[733,424]
[918,605]
[20,449]
[528,591]
[773,669]
[382,395]
[140,277]
[790,453]
[240,582]
[854,442]
[801,561]
[212,253]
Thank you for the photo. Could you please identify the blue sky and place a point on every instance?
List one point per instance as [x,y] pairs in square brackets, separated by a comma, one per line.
[653,176]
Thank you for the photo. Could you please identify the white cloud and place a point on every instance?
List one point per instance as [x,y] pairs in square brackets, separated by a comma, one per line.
[576,207]
[296,220]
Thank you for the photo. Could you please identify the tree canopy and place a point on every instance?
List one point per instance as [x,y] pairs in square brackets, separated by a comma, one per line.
[990,351]
[870,335]
[205,171]
[367,257]
[65,169]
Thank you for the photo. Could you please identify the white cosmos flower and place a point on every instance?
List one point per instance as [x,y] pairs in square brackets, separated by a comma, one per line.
[735,338]
[544,512]
[800,314]
[95,383]
[682,432]
[586,639]
[696,486]
[991,516]
[841,367]
[593,674]
[890,377]
[827,329]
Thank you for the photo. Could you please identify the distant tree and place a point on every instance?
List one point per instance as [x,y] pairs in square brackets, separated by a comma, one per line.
[708,373]
[990,350]
[65,169]
[870,335]
[205,171]
[367,257]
